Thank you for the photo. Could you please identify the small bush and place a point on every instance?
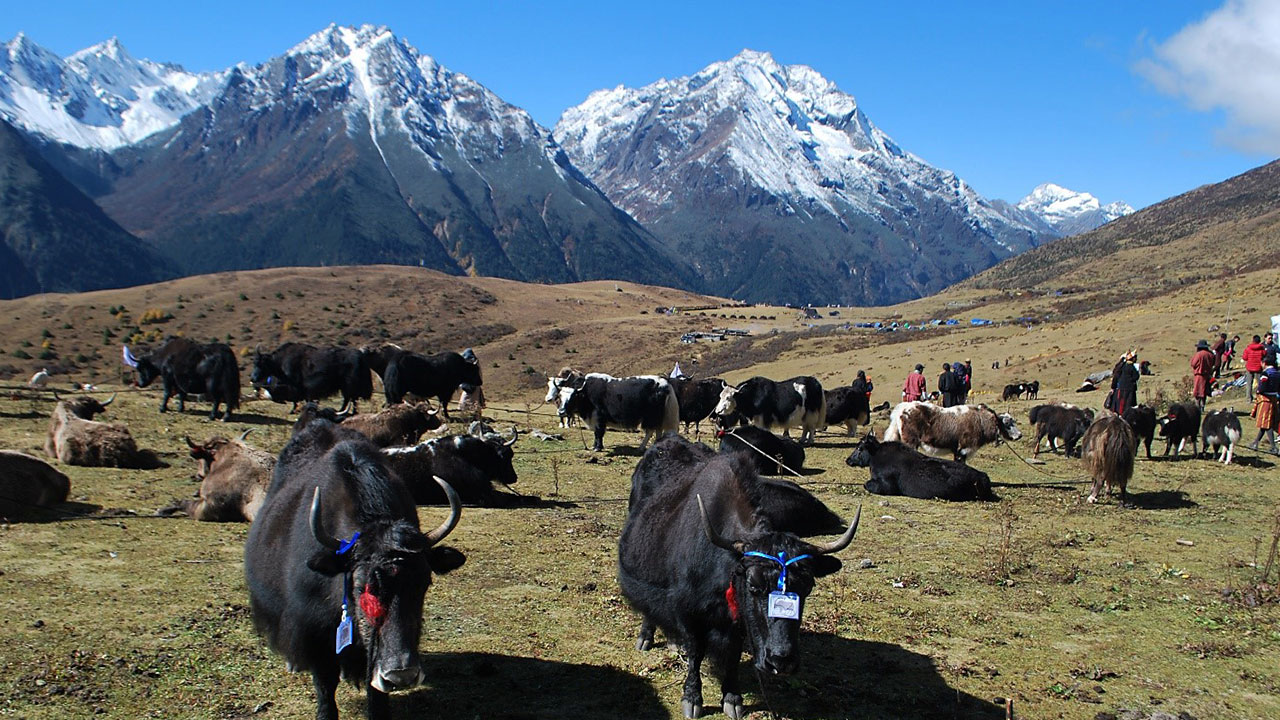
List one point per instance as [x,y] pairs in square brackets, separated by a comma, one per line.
[21,354]
[155,316]
[48,354]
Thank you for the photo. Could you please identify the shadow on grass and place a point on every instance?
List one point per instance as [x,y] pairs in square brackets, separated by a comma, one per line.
[28,415]
[505,687]
[1253,461]
[254,419]
[1160,500]
[847,678]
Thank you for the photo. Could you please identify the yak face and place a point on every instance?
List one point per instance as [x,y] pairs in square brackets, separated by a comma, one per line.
[147,372]
[390,569]
[861,455]
[264,367]
[774,641]
[505,471]
[85,407]
[1008,426]
[553,389]
[728,403]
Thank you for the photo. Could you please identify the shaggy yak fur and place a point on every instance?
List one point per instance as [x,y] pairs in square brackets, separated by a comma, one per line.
[75,439]
[1143,421]
[1060,422]
[898,470]
[400,424]
[1108,450]
[28,483]
[234,478]
[960,430]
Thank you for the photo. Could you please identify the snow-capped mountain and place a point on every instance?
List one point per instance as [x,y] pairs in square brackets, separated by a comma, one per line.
[1070,212]
[779,187]
[100,97]
[354,148]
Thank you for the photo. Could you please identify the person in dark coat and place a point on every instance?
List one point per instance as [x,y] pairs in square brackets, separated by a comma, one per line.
[1266,406]
[862,385]
[947,385]
[1124,381]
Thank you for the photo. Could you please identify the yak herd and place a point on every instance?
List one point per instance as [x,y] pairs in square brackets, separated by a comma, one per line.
[712,552]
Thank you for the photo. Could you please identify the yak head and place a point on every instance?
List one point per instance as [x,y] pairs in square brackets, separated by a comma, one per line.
[85,407]
[1006,424]
[144,366]
[861,455]
[772,564]
[208,453]
[728,402]
[387,570]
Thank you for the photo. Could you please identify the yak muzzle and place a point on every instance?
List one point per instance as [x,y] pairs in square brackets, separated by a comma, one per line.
[401,679]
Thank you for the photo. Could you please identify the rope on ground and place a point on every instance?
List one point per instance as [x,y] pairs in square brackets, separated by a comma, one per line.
[1075,478]
[767,455]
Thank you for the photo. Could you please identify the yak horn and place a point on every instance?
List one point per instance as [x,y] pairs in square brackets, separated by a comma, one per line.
[715,537]
[244,435]
[110,400]
[455,513]
[317,524]
[515,435]
[190,444]
[843,541]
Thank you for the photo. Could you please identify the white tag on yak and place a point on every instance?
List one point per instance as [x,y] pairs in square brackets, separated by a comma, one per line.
[344,634]
[784,605]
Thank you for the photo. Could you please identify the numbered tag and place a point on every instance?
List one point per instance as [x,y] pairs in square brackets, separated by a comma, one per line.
[344,634]
[784,605]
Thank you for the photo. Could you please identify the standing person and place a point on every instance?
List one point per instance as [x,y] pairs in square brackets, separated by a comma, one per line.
[962,383]
[1252,356]
[1231,352]
[913,389]
[968,378]
[1266,406]
[1269,348]
[1218,348]
[1124,381]
[862,385]
[1203,367]
[947,385]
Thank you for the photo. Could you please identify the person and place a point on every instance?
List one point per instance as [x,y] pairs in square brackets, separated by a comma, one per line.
[962,383]
[863,385]
[1252,356]
[1266,405]
[913,389]
[1204,365]
[1218,348]
[1269,348]
[968,378]
[1124,383]
[947,385]
[1231,352]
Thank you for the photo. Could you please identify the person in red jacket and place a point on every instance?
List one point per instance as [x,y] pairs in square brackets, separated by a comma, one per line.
[913,388]
[1204,363]
[1252,357]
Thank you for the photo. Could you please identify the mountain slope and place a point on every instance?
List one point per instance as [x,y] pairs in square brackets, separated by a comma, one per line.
[1213,231]
[353,148]
[54,238]
[100,97]
[779,187]
[1069,212]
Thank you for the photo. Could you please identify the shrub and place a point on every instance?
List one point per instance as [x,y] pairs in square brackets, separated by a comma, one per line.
[21,354]
[48,354]
[155,316]
[287,326]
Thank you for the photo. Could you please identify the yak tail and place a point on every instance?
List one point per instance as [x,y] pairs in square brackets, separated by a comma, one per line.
[893,433]
[670,413]
[1110,448]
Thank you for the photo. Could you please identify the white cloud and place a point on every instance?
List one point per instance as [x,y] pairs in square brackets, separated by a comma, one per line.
[1230,60]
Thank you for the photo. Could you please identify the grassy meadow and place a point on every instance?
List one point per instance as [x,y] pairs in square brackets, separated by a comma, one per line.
[1165,604]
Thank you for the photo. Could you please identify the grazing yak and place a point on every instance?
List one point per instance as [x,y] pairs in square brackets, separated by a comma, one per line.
[468,463]
[1013,392]
[1032,389]
[700,558]
[28,484]
[336,554]
[696,398]
[960,430]
[1143,421]
[770,454]
[187,368]
[75,438]
[1108,451]
[847,407]
[1059,422]
[1180,424]
[646,402]
[769,404]
[899,470]
[426,376]
[298,372]
[1221,431]
[233,476]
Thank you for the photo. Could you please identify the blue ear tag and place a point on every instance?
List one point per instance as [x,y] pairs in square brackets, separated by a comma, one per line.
[784,605]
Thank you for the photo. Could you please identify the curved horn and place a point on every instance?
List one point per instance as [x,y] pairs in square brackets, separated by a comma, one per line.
[110,400]
[317,524]
[190,444]
[55,396]
[455,513]
[343,415]
[128,357]
[515,435]
[843,541]
[244,435]
[712,535]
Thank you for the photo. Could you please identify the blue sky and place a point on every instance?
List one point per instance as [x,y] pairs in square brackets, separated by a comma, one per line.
[1130,101]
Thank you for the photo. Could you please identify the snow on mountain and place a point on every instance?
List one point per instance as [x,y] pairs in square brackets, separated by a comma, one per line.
[1070,212]
[788,138]
[100,97]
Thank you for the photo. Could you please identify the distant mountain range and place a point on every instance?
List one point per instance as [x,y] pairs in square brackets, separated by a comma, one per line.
[749,179]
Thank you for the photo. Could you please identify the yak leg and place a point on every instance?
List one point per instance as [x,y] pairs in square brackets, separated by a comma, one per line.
[326,684]
[599,433]
[691,699]
[379,704]
[645,442]
[730,689]
[1036,453]
[213,414]
[644,640]
[168,393]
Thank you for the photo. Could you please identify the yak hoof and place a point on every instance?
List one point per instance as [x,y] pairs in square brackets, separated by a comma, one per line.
[733,708]
[644,644]
[691,709]
[1093,499]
